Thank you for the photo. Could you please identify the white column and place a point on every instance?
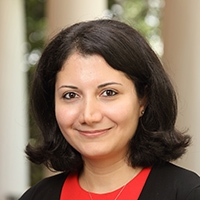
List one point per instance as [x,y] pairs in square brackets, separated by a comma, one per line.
[62,13]
[181,31]
[13,117]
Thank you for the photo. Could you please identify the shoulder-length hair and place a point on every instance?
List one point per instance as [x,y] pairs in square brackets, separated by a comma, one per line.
[124,49]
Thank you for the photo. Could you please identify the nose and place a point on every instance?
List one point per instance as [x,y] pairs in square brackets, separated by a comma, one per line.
[91,112]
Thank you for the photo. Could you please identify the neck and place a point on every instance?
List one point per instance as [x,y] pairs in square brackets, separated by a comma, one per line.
[103,177]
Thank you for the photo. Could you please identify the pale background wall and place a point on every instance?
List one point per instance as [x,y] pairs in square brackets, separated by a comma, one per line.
[13,115]
[181,32]
[65,13]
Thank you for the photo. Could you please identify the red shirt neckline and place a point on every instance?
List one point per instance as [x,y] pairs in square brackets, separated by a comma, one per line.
[72,190]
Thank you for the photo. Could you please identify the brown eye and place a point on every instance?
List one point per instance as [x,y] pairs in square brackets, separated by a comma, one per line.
[108,93]
[70,95]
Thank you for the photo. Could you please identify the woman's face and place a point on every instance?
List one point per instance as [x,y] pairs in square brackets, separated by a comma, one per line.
[96,106]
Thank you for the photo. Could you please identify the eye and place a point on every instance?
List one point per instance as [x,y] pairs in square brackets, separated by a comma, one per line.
[108,93]
[70,95]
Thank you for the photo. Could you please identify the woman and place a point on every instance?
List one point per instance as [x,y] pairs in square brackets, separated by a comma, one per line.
[106,110]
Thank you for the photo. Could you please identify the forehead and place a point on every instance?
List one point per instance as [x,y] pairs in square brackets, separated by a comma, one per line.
[88,65]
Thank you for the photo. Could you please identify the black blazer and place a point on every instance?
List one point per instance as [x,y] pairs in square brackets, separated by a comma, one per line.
[165,182]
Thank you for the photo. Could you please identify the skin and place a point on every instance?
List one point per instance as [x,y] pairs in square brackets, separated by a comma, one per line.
[97,110]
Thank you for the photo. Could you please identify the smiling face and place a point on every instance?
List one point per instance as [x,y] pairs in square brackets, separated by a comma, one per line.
[96,107]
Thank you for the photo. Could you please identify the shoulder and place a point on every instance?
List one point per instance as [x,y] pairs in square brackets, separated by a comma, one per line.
[173,182]
[175,173]
[48,188]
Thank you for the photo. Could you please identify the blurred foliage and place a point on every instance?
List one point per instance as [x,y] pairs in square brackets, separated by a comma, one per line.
[35,23]
[143,15]
[35,30]
[35,37]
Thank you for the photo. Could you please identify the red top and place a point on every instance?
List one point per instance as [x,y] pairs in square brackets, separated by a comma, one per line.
[72,190]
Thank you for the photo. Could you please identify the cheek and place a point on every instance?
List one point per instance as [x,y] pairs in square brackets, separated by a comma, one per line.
[124,112]
[65,117]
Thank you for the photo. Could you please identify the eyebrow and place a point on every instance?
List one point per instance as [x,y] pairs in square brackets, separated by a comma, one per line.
[100,86]
[109,83]
[68,86]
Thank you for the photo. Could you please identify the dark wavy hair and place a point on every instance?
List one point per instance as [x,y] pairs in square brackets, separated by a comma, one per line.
[124,49]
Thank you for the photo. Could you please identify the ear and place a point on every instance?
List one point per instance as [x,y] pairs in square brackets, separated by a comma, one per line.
[143,103]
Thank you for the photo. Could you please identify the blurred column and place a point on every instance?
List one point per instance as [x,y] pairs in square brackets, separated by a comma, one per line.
[181,31]
[13,118]
[62,13]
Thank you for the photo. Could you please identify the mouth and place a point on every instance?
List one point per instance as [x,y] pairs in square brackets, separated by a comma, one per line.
[94,133]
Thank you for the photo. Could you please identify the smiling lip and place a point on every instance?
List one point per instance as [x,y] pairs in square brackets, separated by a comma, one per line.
[93,133]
